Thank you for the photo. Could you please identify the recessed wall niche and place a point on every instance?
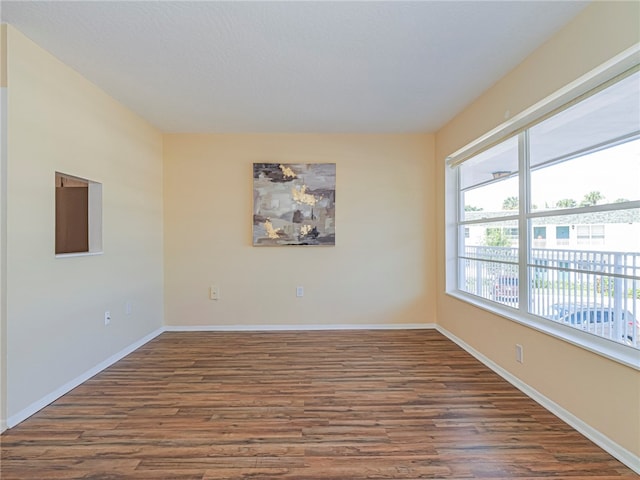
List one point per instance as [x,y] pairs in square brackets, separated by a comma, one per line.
[78,215]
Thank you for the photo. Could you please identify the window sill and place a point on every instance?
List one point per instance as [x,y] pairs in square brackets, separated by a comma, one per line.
[79,254]
[609,349]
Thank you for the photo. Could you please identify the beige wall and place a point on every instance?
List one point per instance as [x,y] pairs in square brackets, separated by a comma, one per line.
[602,393]
[381,270]
[58,121]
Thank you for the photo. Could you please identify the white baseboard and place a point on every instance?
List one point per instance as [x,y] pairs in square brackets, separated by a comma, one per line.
[25,413]
[283,328]
[625,456]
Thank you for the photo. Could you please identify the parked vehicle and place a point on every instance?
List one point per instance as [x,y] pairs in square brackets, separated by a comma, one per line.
[598,319]
[506,289]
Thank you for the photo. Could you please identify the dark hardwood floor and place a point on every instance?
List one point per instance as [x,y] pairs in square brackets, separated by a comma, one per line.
[299,405]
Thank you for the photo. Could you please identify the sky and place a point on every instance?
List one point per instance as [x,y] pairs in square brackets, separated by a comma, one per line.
[614,172]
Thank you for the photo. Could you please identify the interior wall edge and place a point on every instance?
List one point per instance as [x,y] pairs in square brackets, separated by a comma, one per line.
[3,259]
[3,55]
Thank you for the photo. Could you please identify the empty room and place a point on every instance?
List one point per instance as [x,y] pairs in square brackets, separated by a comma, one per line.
[319,240]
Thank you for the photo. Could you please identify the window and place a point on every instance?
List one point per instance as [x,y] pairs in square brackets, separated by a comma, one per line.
[511,233]
[540,233]
[575,173]
[562,235]
[78,215]
[539,237]
[590,234]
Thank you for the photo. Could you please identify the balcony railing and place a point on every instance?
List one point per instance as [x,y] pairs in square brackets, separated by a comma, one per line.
[595,291]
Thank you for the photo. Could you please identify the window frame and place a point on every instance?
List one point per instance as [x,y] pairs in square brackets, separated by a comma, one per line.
[456,223]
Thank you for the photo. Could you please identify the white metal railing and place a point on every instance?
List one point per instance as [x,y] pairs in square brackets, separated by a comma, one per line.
[595,291]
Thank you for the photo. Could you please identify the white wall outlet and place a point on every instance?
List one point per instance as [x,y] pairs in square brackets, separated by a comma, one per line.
[519,354]
[214,292]
[107,318]
[299,291]
[128,308]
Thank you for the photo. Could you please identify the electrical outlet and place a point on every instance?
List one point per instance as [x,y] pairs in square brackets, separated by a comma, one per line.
[107,318]
[519,354]
[127,308]
[214,292]
[299,291]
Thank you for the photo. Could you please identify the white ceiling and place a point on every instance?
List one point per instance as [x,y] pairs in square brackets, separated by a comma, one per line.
[318,66]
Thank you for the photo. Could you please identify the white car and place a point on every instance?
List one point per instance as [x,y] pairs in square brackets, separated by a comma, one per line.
[597,319]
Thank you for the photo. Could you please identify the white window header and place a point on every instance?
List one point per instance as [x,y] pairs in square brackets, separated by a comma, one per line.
[574,92]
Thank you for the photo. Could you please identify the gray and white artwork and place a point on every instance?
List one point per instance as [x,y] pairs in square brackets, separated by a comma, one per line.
[294,204]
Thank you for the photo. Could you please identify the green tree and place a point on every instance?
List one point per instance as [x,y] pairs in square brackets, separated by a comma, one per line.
[510,203]
[566,203]
[471,208]
[621,200]
[591,198]
[496,237]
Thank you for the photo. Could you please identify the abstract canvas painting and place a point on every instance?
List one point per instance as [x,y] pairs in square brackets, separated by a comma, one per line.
[294,204]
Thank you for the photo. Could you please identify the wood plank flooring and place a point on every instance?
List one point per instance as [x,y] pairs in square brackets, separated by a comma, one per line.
[299,405]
